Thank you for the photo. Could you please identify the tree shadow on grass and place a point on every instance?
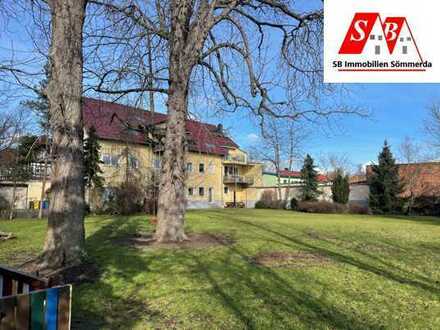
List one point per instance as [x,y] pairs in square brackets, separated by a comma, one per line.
[280,303]
[389,271]
[111,302]
[255,297]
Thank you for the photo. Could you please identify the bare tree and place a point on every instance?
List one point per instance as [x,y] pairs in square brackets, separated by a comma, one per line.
[331,163]
[432,125]
[280,146]
[243,53]
[64,245]
[410,153]
[12,125]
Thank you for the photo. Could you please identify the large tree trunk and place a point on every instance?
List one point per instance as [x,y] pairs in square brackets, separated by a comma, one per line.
[172,201]
[64,244]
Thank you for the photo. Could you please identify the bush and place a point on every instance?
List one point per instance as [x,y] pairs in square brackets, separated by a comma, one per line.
[321,207]
[274,204]
[294,204]
[426,205]
[354,208]
[126,199]
[277,205]
[340,188]
[260,205]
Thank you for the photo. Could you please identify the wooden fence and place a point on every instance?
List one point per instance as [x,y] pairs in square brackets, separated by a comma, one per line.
[26,302]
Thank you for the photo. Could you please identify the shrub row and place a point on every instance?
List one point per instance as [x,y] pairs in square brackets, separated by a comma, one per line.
[275,204]
[329,207]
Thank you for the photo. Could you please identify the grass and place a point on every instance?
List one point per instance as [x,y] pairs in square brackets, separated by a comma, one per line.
[383,273]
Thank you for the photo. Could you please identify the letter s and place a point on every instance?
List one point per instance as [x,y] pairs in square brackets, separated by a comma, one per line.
[361,32]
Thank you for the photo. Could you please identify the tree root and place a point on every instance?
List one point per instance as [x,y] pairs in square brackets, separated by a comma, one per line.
[5,236]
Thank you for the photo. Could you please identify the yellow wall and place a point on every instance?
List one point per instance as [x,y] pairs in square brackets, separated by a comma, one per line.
[34,190]
[211,178]
[115,175]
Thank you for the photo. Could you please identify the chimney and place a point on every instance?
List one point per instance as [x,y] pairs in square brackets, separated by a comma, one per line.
[220,128]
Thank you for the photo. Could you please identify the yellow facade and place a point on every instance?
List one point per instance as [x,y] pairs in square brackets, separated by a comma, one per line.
[133,162]
[212,180]
[205,184]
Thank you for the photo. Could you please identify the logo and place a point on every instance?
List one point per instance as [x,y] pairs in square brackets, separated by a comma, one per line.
[370,44]
[394,30]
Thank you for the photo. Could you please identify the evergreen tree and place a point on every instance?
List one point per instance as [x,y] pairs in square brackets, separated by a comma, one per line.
[309,175]
[30,148]
[340,188]
[385,185]
[92,169]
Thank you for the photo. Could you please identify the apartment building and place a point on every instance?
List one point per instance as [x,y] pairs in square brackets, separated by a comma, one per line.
[219,173]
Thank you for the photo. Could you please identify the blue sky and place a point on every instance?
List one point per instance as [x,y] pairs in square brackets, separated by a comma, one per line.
[397,111]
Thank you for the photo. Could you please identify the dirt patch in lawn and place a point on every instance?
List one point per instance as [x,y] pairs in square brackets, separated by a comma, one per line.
[291,259]
[87,272]
[141,241]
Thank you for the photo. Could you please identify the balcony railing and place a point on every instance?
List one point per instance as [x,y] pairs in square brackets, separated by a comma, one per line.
[238,179]
[235,159]
[33,171]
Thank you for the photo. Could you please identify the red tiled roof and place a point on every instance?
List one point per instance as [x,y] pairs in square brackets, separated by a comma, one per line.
[322,178]
[291,174]
[297,174]
[419,179]
[108,119]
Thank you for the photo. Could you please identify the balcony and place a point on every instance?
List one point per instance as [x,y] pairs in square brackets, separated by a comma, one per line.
[241,160]
[237,179]
[33,171]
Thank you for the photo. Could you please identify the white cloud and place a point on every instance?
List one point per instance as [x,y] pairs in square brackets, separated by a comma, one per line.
[252,138]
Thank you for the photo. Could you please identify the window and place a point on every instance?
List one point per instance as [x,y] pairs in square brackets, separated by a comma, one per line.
[190,191]
[408,39]
[377,50]
[106,159]
[133,162]
[226,190]
[372,37]
[157,164]
[202,191]
[110,160]
[210,146]
[201,168]
[286,181]
[189,167]
[379,37]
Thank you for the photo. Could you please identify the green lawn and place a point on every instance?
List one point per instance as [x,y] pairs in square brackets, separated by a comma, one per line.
[381,272]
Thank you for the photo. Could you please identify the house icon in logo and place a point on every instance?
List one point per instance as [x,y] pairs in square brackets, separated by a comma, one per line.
[370,38]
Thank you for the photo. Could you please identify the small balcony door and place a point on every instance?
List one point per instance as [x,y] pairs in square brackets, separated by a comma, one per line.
[231,171]
[210,195]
